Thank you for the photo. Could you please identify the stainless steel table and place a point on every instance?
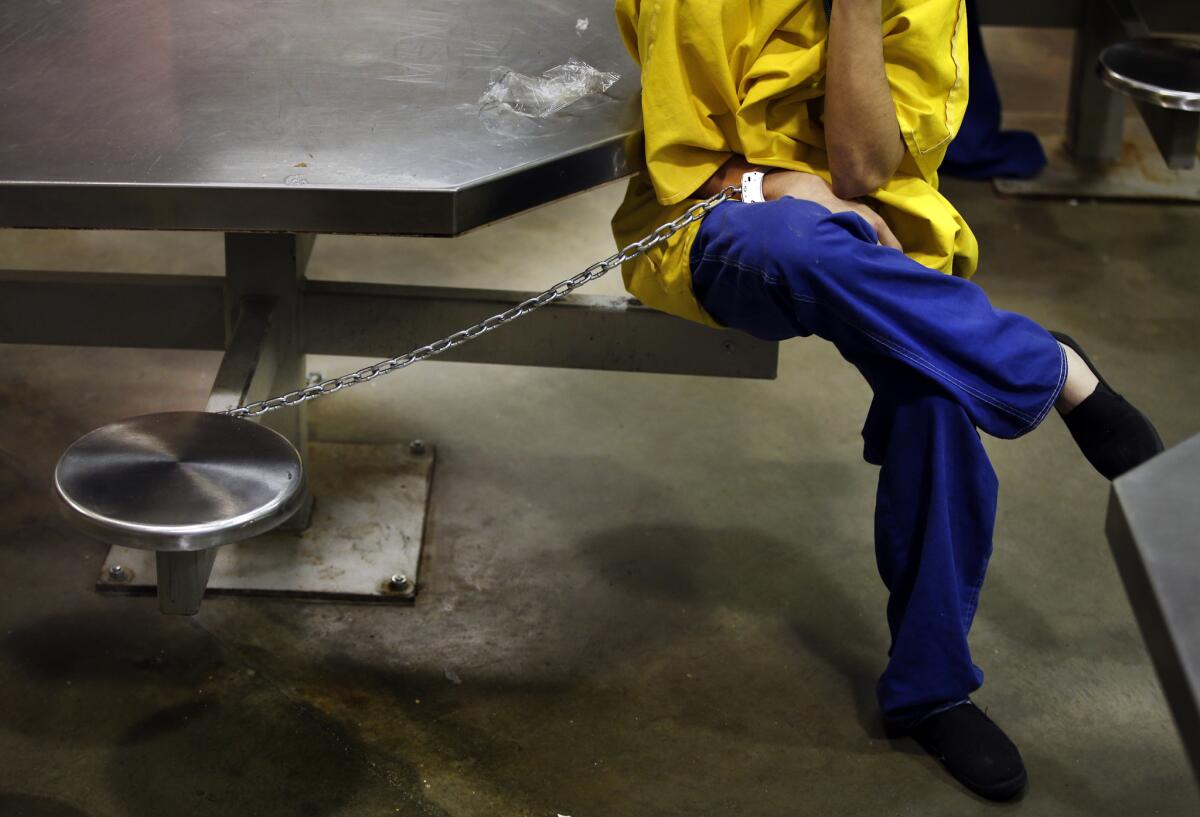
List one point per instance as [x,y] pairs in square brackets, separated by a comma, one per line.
[272,122]
[292,115]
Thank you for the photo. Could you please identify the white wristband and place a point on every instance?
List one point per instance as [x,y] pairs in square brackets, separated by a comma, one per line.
[752,187]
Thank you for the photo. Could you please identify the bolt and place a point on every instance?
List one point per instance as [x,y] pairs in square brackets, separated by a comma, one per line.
[117,573]
[417,447]
[398,582]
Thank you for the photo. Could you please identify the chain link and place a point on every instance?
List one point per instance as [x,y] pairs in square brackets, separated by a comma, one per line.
[559,290]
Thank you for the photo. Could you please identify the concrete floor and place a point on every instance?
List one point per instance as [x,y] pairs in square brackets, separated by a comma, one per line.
[642,595]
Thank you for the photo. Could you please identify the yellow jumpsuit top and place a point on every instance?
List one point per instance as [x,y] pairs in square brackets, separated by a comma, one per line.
[748,77]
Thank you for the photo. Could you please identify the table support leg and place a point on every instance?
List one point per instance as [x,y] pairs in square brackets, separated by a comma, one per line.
[1095,114]
[270,267]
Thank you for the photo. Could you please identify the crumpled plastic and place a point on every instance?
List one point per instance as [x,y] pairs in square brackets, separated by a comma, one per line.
[511,94]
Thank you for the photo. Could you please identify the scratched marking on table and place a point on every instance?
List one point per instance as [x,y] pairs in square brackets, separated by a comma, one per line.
[430,34]
[420,73]
[422,25]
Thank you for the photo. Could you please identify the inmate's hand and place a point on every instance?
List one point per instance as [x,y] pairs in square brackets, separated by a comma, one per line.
[813,188]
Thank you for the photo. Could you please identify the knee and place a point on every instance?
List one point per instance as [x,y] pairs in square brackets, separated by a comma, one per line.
[818,243]
[908,408]
[913,405]
[933,427]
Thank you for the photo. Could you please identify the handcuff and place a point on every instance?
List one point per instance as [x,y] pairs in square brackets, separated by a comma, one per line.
[752,187]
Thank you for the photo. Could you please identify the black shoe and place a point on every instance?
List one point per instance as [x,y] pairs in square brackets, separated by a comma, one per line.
[974,750]
[1113,435]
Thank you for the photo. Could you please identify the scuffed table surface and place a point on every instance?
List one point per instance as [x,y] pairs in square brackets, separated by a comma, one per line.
[300,115]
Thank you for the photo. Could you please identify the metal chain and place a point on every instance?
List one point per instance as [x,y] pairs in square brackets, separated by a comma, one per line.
[562,288]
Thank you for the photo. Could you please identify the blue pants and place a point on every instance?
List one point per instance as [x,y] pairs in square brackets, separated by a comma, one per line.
[942,363]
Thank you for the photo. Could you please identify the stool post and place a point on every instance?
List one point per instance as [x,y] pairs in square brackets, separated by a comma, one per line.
[182,579]
[247,372]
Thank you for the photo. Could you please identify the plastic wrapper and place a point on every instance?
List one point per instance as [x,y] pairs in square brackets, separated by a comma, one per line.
[512,97]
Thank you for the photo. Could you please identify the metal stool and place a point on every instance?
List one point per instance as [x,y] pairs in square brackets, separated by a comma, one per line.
[182,484]
[1162,76]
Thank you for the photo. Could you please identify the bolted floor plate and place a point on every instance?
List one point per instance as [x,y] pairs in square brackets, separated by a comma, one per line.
[368,523]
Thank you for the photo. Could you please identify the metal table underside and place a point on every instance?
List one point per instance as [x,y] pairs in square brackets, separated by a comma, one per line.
[272,122]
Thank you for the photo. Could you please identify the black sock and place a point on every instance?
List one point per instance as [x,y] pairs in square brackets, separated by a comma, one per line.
[1113,435]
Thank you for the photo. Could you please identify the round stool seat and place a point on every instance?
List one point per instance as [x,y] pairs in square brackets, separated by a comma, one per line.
[179,481]
[1158,70]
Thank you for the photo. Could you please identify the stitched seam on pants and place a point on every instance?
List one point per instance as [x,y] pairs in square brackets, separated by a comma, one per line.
[1030,420]
[1062,380]
[923,363]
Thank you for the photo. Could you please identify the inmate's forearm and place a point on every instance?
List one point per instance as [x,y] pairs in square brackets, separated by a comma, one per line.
[728,174]
[862,136]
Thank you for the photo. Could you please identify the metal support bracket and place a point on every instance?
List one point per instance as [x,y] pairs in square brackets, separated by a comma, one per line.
[248,369]
[613,333]
[1175,133]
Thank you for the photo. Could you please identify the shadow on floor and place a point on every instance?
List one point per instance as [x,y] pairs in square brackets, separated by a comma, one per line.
[766,577]
[184,728]
[16,804]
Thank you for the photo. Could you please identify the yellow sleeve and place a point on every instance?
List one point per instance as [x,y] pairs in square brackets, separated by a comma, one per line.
[689,97]
[627,16]
[925,54]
